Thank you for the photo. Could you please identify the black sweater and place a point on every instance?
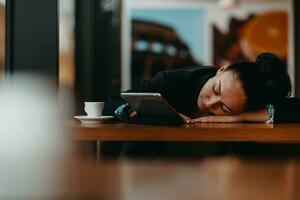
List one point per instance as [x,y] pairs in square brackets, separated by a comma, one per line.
[181,88]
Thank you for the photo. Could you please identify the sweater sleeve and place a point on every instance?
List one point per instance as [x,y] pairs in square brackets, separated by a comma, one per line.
[287,111]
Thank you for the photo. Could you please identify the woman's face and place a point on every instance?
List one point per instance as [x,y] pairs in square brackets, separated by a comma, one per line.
[222,94]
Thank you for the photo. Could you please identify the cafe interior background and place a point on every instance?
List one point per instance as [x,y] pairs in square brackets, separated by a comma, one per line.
[108,46]
[131,40]
[118,44]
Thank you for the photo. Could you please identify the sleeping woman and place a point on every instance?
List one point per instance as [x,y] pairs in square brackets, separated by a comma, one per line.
[241,92]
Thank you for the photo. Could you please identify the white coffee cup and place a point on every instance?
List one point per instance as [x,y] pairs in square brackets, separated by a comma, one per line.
[93,109]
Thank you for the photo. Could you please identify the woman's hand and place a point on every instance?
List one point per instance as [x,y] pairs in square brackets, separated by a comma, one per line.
[132,114]
[261,115]
[187,119]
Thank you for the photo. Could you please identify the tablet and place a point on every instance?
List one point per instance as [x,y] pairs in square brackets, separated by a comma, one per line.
[153,104]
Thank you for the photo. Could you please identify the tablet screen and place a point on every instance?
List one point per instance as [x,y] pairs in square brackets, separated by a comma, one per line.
[150,104]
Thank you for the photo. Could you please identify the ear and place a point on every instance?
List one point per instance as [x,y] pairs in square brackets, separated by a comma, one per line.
[223,68]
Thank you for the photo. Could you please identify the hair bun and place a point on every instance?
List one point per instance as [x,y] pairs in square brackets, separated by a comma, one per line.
[274,71]
[270,64]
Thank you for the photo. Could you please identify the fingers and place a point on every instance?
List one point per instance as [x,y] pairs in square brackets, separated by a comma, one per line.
[212,119]
[203,119]
[132,114]
[186,119]
[217,119]
[197,120]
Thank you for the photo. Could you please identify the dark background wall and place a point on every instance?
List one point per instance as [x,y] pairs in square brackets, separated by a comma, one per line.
[297,46]
[97,51]
[32,43]
[32,36]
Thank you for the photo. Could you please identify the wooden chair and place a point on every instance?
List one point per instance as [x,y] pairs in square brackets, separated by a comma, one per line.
[156,47]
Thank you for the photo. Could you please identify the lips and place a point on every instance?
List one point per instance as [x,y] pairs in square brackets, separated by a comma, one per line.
[202,106]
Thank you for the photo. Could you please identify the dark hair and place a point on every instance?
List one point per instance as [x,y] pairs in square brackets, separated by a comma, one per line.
[265,81]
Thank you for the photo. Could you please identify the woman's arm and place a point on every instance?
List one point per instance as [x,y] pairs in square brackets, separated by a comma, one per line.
[261,115]
[287,111]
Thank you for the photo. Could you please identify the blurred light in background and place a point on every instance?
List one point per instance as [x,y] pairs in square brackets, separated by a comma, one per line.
[33,143]
[228,4]
[67,42]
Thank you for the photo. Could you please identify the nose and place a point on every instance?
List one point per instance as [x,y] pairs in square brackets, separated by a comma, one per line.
[212,101]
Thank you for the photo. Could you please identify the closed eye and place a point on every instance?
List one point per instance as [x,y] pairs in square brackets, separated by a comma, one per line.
[224,107]
[215,90]
[225,110]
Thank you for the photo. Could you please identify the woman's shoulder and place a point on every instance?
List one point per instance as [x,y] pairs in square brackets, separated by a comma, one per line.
[191,71]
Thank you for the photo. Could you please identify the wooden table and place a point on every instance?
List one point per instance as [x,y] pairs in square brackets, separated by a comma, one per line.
[213,132]
[228,178]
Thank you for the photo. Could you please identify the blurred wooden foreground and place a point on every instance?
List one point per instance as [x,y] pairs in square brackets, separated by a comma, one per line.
[226,178]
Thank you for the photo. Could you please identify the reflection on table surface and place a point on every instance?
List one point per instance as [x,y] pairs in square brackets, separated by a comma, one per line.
[210,178]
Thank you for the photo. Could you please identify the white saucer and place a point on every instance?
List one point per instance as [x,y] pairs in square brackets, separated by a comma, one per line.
[93,120]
